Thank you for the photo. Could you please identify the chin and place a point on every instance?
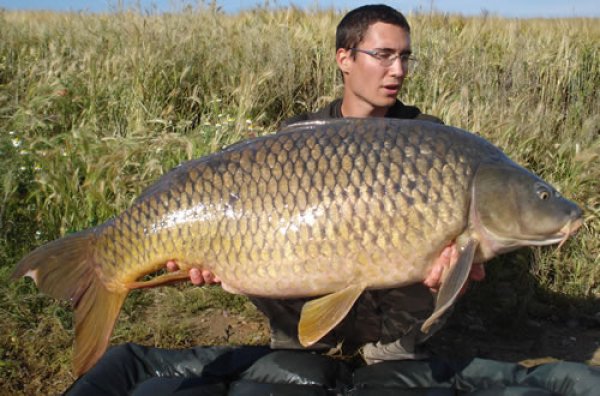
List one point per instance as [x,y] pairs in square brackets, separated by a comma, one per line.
[388,101]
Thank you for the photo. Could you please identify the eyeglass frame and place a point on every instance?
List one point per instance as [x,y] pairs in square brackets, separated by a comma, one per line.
[379,53]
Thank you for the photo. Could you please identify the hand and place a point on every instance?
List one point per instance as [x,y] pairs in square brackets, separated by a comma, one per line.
[197,277]
[448,257]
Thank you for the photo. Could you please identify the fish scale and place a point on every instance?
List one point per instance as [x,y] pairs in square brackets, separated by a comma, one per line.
[219,240]
[321,209]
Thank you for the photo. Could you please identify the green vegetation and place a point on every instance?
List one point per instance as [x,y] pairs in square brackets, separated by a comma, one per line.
[93,108]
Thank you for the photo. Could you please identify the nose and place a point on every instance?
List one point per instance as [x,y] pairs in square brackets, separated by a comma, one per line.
[398,69]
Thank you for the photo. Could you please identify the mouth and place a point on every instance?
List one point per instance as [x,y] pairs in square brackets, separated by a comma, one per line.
[569,229]
[391,89]
[559,237]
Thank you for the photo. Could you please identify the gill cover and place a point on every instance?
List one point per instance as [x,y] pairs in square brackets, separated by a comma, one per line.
[513,207]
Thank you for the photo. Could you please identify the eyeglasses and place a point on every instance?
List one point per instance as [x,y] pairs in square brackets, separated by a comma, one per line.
[387,57]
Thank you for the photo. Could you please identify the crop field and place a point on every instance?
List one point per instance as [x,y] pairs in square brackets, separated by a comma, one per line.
[93,108]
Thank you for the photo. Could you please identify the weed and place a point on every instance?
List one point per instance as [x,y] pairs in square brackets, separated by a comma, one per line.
[93,108]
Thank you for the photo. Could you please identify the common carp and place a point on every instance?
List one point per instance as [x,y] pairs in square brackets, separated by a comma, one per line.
[325,209]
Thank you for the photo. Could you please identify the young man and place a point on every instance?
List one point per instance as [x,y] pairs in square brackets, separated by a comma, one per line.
[374,55]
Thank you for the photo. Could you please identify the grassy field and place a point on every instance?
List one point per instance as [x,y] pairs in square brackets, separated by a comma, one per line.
[93,108]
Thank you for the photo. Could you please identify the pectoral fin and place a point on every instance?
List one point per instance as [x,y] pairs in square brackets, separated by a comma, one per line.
[452,284]
[321,315]
[160,280]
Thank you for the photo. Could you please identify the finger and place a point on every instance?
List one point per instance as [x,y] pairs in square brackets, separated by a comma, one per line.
[172,266]
[444,260]
[196,277]
[448,252]
[453,254]
[433,279]
[463,290]
[477,272]
[209,277]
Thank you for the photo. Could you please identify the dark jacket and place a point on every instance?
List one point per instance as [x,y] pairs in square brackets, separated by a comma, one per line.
[334,110]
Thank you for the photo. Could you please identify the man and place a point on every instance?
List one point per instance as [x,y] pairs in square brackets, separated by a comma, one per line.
[374,55]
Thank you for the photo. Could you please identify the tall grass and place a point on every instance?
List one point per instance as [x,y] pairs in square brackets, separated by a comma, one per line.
[95,107]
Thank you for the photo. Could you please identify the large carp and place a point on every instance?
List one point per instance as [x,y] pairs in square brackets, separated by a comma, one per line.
[321,209]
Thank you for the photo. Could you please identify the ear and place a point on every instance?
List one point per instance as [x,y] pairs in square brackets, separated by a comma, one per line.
[344,60]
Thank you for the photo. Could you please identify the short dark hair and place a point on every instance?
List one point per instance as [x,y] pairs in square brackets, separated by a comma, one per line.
[352,28]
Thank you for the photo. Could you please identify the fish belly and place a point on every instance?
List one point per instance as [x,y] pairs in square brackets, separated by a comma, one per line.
[301,214]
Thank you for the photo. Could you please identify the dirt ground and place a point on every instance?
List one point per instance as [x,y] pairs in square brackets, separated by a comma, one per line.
[464,336]
[537,342]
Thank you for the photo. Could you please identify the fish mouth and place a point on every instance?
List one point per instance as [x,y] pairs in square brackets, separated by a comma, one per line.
[502,244]
[569,229]
[559,237]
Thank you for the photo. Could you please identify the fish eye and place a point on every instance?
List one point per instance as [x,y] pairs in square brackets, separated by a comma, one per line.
[543,192]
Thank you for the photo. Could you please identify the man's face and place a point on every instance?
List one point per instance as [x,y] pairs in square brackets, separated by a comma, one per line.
[370,88]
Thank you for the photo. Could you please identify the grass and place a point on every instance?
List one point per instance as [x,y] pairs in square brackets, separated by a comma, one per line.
[93,108]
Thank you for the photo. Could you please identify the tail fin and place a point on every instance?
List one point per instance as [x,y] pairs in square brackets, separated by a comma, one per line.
[65,269]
